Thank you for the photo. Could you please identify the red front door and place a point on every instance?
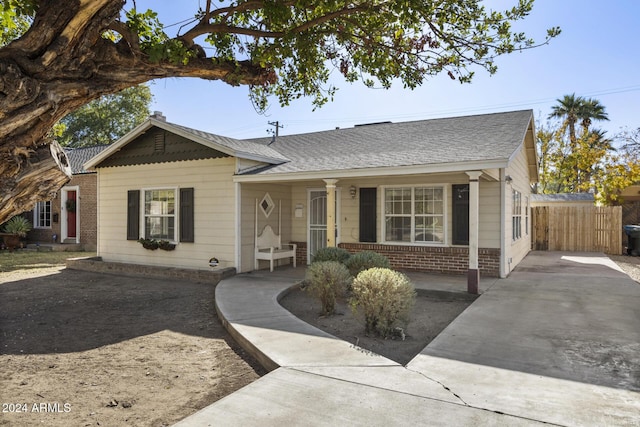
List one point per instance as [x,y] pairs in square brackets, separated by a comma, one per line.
[71,214]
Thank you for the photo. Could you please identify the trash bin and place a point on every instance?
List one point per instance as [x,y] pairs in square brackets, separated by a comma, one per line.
[633,239]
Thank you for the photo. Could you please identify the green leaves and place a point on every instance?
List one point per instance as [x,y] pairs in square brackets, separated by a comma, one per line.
[106,119]
[378,43]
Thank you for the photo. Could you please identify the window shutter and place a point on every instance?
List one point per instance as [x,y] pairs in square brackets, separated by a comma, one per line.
[368,214]
[186,215]
[460,215]
[133,214]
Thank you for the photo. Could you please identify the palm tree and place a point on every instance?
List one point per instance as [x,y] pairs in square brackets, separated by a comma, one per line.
[590,110]
[568,109]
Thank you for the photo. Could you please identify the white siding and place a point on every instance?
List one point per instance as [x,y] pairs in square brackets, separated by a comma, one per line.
[214,212]
[281,196]
[349,208]
[516,250]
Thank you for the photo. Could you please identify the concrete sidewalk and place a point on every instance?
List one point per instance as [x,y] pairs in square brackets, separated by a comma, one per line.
[557,342]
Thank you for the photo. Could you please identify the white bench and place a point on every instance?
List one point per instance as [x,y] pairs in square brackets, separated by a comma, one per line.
[269,247]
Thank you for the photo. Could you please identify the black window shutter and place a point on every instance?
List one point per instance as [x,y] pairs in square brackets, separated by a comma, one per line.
[368,214]
[133,214]
[460,214]
[186,215]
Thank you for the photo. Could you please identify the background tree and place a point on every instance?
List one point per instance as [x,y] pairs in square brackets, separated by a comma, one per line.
[589,164]
[106,119]
[76,51]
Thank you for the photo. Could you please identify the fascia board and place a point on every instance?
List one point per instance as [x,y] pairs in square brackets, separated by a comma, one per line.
[368,172]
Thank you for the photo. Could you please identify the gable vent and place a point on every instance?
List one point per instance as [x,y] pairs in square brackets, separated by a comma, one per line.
[158,142]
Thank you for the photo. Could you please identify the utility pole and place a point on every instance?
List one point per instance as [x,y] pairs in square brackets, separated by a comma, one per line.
[277,126]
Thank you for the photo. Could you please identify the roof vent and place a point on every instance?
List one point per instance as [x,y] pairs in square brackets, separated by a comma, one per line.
[158,116]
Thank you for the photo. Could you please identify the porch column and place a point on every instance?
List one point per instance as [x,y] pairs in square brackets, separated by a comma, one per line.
[473,275]
[331,212]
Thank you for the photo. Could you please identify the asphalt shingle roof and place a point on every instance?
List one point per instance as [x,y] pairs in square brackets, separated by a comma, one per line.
[79,156]
[236,145]
[427,142]
[563,197]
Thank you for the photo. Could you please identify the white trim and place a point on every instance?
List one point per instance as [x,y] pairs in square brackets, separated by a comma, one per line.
[504,268]
[238,225]
[142,128]
[176,214]
[338,216]
[36,215]
[373,172]
[445,204]
[64,232]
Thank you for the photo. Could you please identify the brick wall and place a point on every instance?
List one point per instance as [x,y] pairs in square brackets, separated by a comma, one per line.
[444,260]
[88,209]
[447,260]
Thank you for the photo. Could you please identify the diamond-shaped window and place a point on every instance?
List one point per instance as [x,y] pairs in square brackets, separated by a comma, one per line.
[267,205]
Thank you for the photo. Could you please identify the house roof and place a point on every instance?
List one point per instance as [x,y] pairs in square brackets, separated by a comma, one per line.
[79,156]
[438,145]
[563,197]
[468,139]
[230,146]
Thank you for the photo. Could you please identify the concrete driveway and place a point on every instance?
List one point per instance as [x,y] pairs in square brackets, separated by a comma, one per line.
[558,342]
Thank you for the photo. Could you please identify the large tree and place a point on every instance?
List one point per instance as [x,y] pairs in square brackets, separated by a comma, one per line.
[78,50]
[106,119]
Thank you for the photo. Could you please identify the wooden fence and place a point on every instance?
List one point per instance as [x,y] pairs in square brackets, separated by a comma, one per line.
[577,229]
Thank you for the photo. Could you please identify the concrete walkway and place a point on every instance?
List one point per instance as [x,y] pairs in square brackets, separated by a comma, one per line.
[557,342]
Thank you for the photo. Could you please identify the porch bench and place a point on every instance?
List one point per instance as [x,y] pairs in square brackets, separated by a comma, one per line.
[269,247]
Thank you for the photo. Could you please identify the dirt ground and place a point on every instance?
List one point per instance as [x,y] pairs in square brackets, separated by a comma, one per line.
[432,313]
[86,349]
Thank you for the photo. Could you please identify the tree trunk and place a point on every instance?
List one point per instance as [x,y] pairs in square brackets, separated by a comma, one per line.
[62,63]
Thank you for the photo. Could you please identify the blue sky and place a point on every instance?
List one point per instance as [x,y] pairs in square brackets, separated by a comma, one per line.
[597,55]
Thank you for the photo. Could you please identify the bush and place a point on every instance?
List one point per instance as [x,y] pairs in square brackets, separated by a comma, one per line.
[366,260]
[386,298]
[327,280]
[18,225]
[331,254]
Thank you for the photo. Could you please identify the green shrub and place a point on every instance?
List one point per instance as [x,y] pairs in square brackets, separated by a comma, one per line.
[327,281]
[385,297]
[18,225]
[366,260]
[331,254]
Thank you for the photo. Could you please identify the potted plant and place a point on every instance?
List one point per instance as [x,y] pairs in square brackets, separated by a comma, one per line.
[151,244]
[16,228]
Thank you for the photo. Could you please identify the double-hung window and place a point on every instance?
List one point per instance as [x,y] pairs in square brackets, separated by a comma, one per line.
[414,214]
[160,214]
[516,216]
[42,215]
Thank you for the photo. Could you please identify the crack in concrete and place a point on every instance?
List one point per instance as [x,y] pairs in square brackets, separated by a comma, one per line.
[442,385]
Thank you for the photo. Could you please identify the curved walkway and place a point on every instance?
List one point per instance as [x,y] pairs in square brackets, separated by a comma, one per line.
[525,353]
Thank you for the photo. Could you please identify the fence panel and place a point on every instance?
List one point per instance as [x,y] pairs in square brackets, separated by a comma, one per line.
[578,229]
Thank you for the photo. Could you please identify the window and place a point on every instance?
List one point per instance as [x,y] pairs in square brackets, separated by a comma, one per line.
[414,214]
[160,214]
[160,218]
[42,215]
[527,209]
[516,216]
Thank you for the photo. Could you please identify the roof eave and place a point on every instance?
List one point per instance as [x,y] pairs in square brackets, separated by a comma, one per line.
[151,122]
[368,172]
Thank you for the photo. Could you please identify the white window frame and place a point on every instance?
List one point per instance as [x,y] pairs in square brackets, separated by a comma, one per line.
[37,210]
[516,215]
[413,187]
[527,212]
[176,209]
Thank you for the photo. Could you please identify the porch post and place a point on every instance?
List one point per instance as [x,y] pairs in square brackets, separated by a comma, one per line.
[331,212]
[473,275]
